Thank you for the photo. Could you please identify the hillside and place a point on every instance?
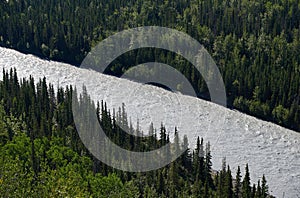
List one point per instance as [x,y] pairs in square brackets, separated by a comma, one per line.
[269,149]
[254,43]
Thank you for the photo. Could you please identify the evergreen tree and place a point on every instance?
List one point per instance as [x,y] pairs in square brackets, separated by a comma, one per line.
[42,150]
[270,90]
[264,187]
[208,167]
[246,188]
[228,184]
[238,185]
[258,190]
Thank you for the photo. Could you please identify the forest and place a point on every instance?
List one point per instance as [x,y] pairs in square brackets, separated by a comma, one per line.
[254,43]
[41,154]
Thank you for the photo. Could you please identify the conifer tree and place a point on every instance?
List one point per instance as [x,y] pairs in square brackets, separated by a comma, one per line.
[253,191]
[228,184]
[160,183]
[186,156]
[264,187]
[246,188]
[238,185]
[208,166]
[53,144]
[258,190]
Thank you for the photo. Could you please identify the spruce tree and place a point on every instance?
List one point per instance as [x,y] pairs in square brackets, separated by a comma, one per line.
[238,185]
[253,191]
[228,184]
[264,187]
[186,156]
[246,188]
[258,190]
[208,166]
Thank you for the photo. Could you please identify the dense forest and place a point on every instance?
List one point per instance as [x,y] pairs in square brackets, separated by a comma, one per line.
[41,154]
[255,43]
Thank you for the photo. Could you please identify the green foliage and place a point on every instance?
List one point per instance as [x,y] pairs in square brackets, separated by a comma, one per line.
[280,114]
[255,43]
[41,154]
[238,185]
[246,188]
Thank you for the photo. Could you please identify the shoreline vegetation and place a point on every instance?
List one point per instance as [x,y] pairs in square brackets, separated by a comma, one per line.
[254,43]
[42,154]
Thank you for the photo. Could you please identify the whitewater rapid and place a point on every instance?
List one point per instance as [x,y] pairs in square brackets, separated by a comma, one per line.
[268,148]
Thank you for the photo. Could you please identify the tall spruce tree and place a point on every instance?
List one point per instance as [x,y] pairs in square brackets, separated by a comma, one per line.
[238,185]
[246,188]
[264,187]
